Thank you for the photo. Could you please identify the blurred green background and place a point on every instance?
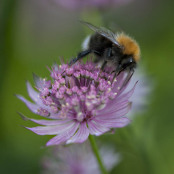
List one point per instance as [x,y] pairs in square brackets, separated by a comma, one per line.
[34,34]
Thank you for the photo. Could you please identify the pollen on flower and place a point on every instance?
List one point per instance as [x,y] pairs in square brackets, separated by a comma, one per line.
[81,100]
[43,112]
[109,83]
[80,116]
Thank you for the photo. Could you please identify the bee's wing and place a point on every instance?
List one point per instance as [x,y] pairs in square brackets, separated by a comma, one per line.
[103,31]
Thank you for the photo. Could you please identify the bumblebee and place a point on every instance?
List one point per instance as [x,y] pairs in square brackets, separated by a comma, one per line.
[115,49]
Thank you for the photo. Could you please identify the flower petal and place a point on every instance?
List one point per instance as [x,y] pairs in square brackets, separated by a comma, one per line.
[49,122]
[125,96]
[119,122]
[33,107]
[36,108]
[115,114]
[96,129]
[64,136]
[119,82]
[40,82]
[126,81]
[113,108]
[44,122]
[33,94]
[81,135]
[52,130]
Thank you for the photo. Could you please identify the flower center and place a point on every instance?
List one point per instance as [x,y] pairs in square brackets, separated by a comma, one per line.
[78,91]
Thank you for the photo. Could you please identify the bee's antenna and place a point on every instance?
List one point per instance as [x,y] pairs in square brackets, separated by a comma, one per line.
[118,70]
[114,77]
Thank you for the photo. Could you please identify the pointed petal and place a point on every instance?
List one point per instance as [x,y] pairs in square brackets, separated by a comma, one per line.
[121,98]
[33,107]
[113,108]
[119,82]
[115,114]
[40,82]
[126,82]
[49,122]
[33,94]
[81,135]
[119,122]
[126,95]
[52,130]
[44,122]
[63,137]
[96,129]
[36,108]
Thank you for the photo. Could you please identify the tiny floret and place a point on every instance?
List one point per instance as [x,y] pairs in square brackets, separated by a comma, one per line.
[78,101]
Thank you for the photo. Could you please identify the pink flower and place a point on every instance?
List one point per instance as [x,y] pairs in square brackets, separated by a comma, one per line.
[77,159]
[79,101]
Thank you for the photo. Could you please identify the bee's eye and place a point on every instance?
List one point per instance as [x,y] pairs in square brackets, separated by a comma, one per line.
[126,62]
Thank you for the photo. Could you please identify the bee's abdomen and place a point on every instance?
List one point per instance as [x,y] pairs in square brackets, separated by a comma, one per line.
[99,43]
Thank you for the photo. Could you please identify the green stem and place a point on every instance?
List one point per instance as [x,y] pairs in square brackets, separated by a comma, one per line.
[97,155]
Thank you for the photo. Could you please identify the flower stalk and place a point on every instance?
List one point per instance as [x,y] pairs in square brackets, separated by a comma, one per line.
[97,155]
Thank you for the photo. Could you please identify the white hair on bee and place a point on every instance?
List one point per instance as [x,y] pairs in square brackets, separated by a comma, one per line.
[85,43]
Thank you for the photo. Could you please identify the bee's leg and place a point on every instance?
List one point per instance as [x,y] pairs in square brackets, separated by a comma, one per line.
[128,77]
[79,56]
[108,55]
[82,54]
[116,72]
[103,65]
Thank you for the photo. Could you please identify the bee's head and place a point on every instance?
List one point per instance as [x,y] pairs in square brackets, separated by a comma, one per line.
[127,62]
